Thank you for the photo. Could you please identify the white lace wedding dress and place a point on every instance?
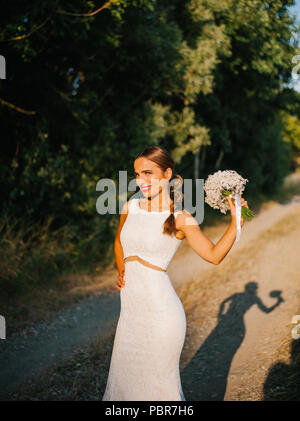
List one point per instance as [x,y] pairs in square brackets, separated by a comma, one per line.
[151,328]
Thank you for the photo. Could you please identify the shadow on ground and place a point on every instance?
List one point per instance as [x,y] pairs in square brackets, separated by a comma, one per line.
[205,377]
[283,380]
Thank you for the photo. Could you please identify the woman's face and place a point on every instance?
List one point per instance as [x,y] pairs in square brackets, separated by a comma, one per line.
[150,178]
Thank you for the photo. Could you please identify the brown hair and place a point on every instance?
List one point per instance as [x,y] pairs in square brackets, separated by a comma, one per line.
[164,160]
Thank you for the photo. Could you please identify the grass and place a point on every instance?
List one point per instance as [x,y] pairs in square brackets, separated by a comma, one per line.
[283,380]
[42,270]
[83,376]
[190,293]
[201,298]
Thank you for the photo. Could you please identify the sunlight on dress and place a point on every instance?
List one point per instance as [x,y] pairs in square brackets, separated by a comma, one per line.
[151,328]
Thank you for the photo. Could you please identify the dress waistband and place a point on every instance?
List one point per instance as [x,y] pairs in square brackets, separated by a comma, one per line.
[144,262]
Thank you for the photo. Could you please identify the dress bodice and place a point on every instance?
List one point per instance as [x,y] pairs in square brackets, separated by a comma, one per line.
[142,235]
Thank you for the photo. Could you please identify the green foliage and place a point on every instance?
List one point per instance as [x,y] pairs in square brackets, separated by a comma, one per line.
[201,78]
[250,91]
[291,135]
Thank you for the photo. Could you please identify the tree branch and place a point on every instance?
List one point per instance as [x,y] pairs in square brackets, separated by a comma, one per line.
[105,6]
[14,107]
[30,33]
[61,12]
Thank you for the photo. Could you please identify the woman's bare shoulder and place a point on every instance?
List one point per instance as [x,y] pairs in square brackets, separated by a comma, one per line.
[184,217]
[125,208]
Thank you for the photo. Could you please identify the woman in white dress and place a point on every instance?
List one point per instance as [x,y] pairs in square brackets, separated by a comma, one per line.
[151,328]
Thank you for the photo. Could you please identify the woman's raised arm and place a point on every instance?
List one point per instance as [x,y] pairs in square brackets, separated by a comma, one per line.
[201,244]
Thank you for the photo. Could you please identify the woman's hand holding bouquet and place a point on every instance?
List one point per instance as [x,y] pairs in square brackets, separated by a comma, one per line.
[224,191]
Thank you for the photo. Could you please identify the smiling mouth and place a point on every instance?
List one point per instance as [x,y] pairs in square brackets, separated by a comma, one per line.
[145,188]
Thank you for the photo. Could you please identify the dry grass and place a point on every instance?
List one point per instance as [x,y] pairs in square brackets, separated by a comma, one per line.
[37,275]
[83,376]
[191,293]
[199,295]
[283,380]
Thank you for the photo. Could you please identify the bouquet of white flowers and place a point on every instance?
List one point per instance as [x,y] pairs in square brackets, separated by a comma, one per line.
[222,184]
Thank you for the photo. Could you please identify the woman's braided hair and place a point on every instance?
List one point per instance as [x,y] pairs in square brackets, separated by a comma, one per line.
[164,160]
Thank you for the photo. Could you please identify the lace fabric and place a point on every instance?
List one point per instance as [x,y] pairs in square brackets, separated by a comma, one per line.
[151,329]
[142,235]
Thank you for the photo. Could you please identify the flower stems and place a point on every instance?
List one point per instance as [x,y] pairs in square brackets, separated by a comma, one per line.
[247,214]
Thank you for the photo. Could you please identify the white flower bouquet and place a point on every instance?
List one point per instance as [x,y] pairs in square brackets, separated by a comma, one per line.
[226,183]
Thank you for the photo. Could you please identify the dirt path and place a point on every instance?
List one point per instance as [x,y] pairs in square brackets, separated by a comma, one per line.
[276,267]
[236,363]
[187,264]
[230,357]
[40,346]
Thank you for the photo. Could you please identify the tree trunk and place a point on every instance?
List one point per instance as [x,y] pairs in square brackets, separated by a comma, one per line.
[220,157]
[196,164]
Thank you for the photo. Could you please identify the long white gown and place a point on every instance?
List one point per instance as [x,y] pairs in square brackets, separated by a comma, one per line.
[151,328]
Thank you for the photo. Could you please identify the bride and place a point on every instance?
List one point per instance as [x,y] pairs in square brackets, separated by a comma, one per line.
[151,328]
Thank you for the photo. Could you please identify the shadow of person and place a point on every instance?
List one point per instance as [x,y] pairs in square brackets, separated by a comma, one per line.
[283,380]
[205,376]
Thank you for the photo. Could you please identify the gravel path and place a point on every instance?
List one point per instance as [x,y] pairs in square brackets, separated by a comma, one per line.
[39,346]
[237,325]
